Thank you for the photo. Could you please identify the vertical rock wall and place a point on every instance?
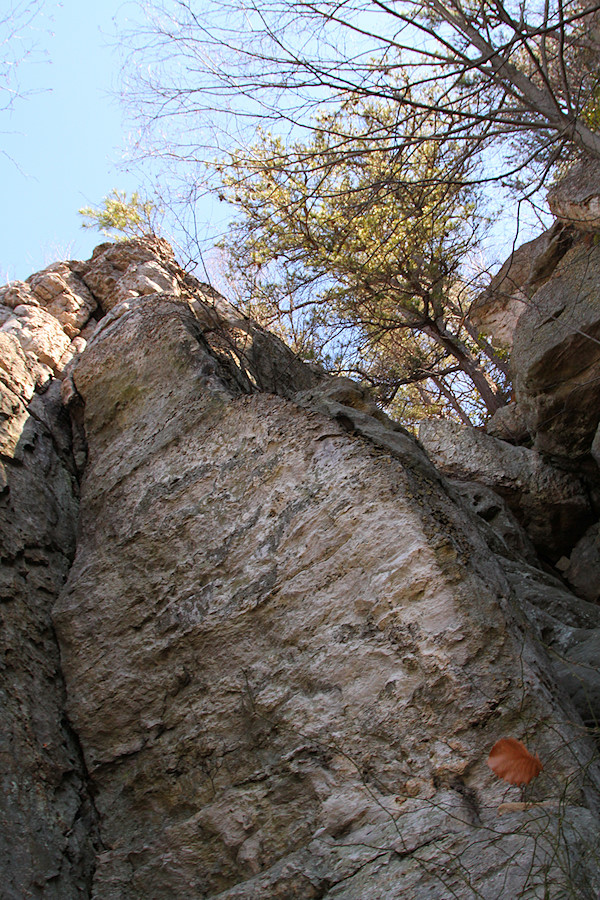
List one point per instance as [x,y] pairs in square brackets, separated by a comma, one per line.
[287,645]
[288,649]
[46,818]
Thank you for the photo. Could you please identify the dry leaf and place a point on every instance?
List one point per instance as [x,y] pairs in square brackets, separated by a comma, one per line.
[513,762]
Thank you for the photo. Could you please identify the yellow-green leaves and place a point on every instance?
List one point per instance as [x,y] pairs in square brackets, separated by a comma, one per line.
[129,217]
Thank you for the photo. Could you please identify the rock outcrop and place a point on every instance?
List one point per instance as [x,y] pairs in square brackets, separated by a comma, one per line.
[552,504]
[556,356]
[498,309]
[47,838]
[575,200]
[544,306]
[287,643]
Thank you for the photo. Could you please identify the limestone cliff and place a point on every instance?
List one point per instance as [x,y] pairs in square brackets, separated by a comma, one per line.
[256,645]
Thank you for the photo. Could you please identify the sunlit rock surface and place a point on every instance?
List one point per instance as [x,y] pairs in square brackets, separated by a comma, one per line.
[498,309]
[287,645]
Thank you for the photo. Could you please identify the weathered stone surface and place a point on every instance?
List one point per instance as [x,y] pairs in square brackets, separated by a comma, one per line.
[46,817]
[46,315]
[556,356]
[289,650]
[509,424]
[576,198]
[40,333]
[492,509]
[569,627]
[583,572]
[551,504]
[65,296]
[288,644]
[581,675]
[125,270]
[15,373]
[17,384]
[17,293]
[138,280]
[249,357]
[497,310]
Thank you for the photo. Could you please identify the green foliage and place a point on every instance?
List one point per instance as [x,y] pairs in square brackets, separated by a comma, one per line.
[591,110]
[128,217]
[353,242]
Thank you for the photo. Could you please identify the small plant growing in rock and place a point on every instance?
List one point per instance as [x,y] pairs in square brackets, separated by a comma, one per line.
[129,217]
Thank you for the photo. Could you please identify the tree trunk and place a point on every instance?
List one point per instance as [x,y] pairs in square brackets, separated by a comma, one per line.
[466,363]
[447,393]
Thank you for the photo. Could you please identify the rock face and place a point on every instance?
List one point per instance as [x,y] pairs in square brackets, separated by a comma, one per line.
[498,310]
[583,572]
[575,200]
[287,644]
[556,356]
[553,505]
[543,306]
[48,820]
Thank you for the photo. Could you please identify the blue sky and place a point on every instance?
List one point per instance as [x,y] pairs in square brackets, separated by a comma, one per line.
[64,141]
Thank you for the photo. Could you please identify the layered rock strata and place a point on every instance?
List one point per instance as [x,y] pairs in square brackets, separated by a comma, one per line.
[288,645]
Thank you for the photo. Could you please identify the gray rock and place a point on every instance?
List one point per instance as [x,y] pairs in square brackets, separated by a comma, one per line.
[287,644]
[575,200]
[509,424]
[40,333]
[115,271]
[492,509]
[569,628]
[498,309]
[583,572]
[288,649]
[579,671]
[63,294]
[46,838]
[552,505]
[556,356]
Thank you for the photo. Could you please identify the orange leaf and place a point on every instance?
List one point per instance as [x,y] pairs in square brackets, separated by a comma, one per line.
[511,760]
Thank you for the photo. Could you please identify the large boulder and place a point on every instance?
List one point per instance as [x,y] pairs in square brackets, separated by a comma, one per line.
[509,423]
[552,504]
[288,647]
[287,644]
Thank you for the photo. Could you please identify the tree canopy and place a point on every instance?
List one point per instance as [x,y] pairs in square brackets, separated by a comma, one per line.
[377,129]
[482,70]
[362,255]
